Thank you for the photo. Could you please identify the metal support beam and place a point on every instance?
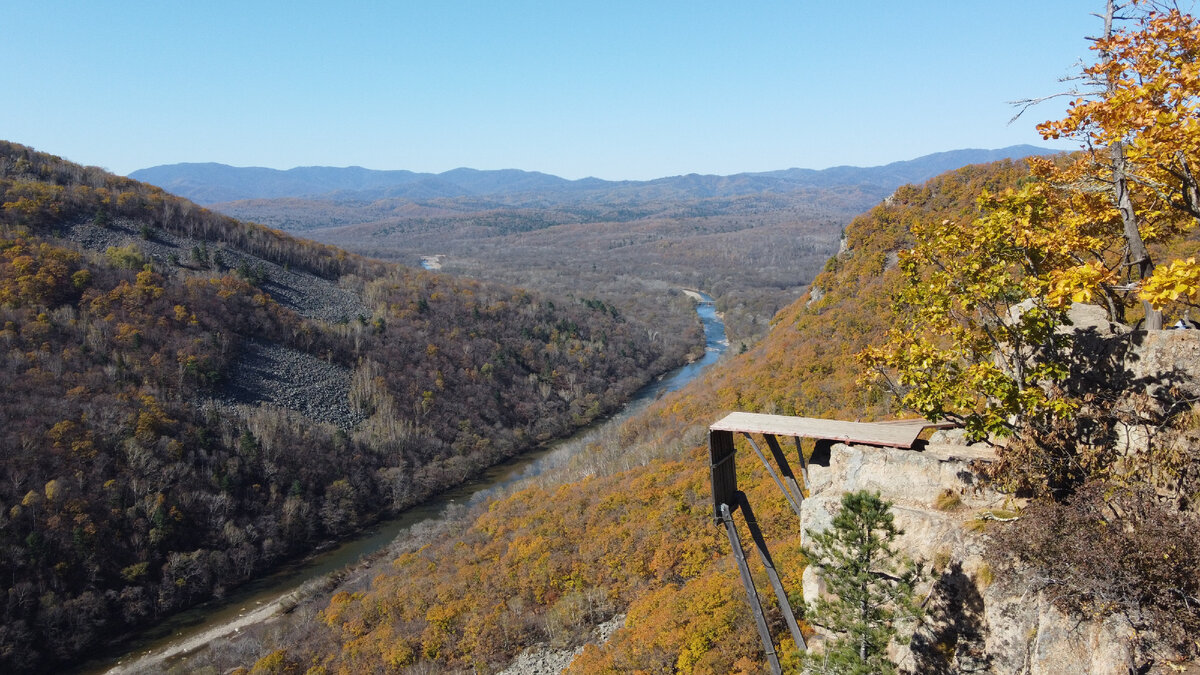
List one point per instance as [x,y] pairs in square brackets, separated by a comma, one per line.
[724,472]
[764,555]
[751,594]
[803,464]
[784,468]
[778,481]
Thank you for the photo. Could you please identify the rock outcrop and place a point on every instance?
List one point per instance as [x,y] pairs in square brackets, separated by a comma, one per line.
[975,622]
[541,659]
[268,373]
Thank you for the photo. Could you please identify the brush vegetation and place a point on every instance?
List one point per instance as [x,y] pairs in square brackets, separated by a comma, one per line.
[150,462]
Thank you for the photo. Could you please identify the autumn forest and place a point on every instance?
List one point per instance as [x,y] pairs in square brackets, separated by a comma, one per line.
[139,480]
[209,374]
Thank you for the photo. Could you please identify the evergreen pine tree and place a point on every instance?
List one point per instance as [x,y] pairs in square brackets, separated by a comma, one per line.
[873,585]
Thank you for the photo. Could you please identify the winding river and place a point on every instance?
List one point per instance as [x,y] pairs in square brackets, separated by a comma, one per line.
[256,600]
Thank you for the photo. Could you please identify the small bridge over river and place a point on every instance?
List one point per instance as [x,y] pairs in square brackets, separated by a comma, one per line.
[727,499]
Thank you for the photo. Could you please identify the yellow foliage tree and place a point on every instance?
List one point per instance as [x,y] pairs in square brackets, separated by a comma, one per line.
[979,333]
[1141,126]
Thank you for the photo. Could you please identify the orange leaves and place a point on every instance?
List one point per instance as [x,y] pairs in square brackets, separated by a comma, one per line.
[151,421]
[541,563]
[132,298]
[73,437]
[128,335]
[444,616]
[697,627]
[148,283]
[30,202]
[1146,109]
[35,274]
[275,662]
[228,286]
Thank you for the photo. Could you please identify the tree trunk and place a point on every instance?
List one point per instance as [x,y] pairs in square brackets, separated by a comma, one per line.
[864,610]
[1139,257]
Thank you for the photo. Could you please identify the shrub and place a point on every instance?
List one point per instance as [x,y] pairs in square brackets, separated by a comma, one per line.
[126,257]
[1115,551]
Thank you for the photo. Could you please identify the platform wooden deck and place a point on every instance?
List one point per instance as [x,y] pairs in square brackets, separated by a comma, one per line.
[894,434]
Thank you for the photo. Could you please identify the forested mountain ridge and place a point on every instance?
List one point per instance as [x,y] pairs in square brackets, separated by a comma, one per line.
[152,461]
[753,241]
[629,531]
[211,183]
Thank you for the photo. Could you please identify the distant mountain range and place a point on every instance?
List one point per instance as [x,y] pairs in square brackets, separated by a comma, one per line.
[212,183]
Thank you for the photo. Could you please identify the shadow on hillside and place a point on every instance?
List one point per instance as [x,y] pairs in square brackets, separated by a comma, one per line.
[1137,381]
[951,638]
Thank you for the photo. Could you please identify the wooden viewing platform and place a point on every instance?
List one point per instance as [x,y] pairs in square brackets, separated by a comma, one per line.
[727,498]
[894,434]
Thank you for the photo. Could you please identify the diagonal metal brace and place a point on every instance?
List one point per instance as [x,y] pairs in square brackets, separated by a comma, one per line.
[751,594]
[786,469]
[764,555]
[787,493]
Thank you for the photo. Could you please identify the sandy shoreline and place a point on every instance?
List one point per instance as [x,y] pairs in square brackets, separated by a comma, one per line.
[157,657]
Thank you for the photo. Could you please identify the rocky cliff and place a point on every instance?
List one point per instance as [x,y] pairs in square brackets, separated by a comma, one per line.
[975,622]
[979,619]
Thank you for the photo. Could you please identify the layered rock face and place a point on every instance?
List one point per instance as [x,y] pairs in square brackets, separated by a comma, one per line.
[976,622]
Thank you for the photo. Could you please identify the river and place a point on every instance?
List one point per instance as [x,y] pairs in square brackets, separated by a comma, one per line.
[253,601]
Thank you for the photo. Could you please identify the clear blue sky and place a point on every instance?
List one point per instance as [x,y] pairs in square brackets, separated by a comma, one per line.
[614,89]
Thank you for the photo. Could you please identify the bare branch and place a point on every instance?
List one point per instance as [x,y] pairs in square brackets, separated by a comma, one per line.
[1026,104]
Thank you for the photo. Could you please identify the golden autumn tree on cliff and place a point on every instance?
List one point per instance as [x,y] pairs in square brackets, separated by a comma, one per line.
[978,336]
[1141,128]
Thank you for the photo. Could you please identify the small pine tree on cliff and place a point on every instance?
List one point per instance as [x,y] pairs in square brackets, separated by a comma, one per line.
[873,585]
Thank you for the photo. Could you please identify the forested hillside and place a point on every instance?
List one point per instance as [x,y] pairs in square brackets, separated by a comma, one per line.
[753,241]
[188,400]
[754,253]
[630,531]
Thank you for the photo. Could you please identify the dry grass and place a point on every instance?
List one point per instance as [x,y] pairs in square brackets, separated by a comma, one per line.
[985,576]
[947,500]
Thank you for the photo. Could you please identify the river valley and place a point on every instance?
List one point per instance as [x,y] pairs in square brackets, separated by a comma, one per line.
[262,598]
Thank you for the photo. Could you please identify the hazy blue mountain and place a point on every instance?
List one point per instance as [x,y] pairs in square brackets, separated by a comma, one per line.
[908,171]
[211,183]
